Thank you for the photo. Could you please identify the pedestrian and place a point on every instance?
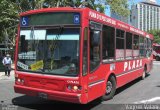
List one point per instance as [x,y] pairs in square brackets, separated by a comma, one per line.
[7,61]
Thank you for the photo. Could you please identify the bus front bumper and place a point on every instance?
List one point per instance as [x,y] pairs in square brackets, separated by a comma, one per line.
[48,94]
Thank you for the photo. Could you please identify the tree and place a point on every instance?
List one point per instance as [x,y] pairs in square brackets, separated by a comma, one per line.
[10,9]
[8,20]
[118,6]
[156,34]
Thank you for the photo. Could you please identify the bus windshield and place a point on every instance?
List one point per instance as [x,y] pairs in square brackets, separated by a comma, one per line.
[49,51]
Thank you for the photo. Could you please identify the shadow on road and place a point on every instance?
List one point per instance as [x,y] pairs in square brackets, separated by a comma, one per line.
[27,102]
[130,84]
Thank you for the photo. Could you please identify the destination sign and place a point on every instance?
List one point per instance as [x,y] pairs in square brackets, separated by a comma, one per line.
[51,18]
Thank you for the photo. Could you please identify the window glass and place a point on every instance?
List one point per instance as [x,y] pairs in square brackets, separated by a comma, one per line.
[141,46]
[136,46]
[128,45]
[85,51]
[149,47]
[94,49]
[108,48]
[49,51]
[119,44]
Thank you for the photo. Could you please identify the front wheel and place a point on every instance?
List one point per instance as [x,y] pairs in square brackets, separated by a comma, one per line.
[110,89]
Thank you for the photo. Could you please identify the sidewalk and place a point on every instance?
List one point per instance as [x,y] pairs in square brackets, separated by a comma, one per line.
[3,77]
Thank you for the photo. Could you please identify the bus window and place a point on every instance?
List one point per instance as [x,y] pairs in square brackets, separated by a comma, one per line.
[108,49]
[94,49]
[141,46]
[128,45]
[136,46]
[119,44]
[149,48]
[85,51]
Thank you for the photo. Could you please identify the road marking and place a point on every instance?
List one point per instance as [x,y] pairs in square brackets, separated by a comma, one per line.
[148,101]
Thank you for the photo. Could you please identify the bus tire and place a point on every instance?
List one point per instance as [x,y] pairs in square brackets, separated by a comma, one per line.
[144,73]
[157,58]
[110,88]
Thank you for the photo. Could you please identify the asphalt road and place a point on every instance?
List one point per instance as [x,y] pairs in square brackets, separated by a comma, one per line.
[137,92]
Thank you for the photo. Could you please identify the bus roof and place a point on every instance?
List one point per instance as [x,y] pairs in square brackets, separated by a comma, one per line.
[95,16]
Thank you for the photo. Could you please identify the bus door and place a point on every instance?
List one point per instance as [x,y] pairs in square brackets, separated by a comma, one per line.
[95,76]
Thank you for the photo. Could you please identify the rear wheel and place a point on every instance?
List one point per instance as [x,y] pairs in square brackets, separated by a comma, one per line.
[110,88]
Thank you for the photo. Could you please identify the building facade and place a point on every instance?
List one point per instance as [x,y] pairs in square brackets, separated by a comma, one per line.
[145,15]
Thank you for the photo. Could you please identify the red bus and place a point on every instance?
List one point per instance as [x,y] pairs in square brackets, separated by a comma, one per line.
[156,51]
[78,54]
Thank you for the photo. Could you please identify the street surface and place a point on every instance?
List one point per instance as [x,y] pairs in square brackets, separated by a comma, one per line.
[137,92]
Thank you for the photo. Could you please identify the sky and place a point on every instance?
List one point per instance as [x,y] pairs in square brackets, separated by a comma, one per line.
[107,11]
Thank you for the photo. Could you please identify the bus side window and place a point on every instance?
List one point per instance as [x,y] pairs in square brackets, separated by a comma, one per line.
[120,44]
[142,46]
[94,49]
[129,40]
[136,46]
[108,43]
[149,48]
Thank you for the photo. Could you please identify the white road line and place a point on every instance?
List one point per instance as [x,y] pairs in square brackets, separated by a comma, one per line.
[148,101]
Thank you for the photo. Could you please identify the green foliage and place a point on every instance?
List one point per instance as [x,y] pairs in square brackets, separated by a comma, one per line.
[8,19]
[156,34]
[118,6]
[10,9]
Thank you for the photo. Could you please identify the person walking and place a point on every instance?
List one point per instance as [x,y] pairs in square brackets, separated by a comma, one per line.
[7,61]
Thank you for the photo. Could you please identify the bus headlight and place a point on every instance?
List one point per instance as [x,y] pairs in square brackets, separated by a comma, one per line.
[20,81]
[75,88]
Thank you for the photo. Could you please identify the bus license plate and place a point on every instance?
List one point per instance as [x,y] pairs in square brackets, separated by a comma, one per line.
[43,95]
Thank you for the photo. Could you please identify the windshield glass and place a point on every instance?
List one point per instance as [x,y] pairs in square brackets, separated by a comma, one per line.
[49,51]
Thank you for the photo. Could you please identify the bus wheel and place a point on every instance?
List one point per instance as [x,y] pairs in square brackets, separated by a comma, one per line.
[157,58]
[110,89]
[144,74]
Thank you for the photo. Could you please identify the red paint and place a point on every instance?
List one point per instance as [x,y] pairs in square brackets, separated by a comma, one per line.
[93,84]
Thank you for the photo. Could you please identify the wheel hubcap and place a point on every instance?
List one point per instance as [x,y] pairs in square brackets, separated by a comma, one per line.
[109,87]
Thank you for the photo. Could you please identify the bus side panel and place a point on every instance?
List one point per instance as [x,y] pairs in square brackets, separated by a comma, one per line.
[128,71]
[96,81]
[149,63]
